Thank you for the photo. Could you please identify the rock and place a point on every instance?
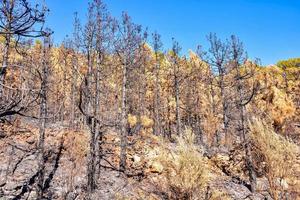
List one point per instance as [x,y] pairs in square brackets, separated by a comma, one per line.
[30,140]
[282,183]
[262,184]
[136,159]
[236,191]
[156,167]
[116,140]
[32,195]
[221,160]
[2,183]
[2,135]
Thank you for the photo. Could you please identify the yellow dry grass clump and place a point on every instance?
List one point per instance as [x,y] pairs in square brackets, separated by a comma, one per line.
[145,121]
[132,120]
[280,159]
[185,174]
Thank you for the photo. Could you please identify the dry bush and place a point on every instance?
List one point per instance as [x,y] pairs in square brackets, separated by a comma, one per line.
[282,106]
[185,173]
[146,121]
[273,98]
[132,120]
[278,156]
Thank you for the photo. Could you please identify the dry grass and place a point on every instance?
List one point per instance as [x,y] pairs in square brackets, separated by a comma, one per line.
[279,156]
[185,172]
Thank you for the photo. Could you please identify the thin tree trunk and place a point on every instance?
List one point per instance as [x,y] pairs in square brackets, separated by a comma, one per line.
[98,133]
[225,109]
[169,125]
[4,64]
[242,129]
[285,78]
[178,120]
[91,159]
[124,114]
[43,116]
[157,125]
[73,90]
[91,182]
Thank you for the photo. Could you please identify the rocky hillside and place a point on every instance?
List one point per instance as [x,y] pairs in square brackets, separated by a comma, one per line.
[157,169]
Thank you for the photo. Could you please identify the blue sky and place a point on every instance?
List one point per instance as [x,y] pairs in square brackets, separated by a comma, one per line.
[270,29]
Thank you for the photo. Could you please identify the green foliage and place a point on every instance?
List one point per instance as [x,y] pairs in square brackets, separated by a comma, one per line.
[38,42]
[290,63]
[2,39]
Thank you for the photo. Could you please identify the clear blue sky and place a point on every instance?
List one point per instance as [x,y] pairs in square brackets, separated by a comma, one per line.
[270,29]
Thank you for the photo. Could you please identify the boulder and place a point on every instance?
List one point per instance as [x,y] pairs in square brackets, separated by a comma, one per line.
[156,167]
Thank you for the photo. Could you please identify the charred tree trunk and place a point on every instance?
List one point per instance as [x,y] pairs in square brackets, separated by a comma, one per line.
[178,119]
[243,134]
[157,44]
[18,19]
[91,182]
[124,115]
[242,100]
[218,59]
[43,117]
[176,49]
[72,121]
[157,125]
[98,134]
[4,62]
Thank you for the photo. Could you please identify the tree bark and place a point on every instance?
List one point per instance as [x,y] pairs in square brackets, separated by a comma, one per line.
[124,116]
[91,182]
[4,63]
[157,125]
[43,117]
[242,130]
[178,119]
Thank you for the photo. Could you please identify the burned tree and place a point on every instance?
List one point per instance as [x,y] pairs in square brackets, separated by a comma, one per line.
[103,40]
[128,40]
[157,45]
[243,71]
[19,19]
[97,35]
[175,62]
[76,44]
[43,117]
[137,79]
[86,101]
[217,57]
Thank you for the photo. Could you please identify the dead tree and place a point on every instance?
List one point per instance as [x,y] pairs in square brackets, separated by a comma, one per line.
[19,19]
[157,45]
[195,76]
[128,39]
[103,40]
[76,45]
[217,58]
[86,101]
[138,83]
[96,40]
[43,117]
[176,65]
[244,95]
